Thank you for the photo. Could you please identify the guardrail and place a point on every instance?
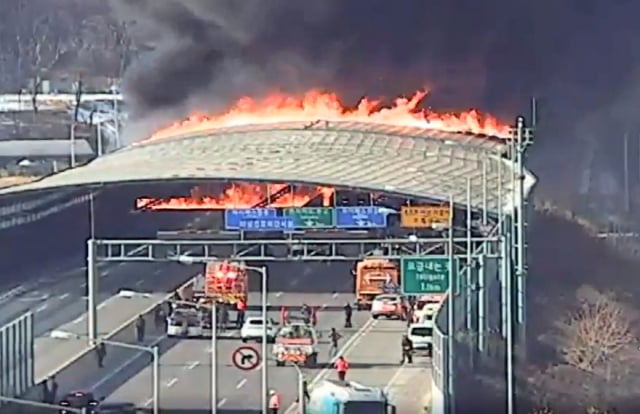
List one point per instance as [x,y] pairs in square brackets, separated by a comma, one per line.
[84,365]
[440,363]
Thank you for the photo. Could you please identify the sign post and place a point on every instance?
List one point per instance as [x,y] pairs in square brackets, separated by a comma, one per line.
[246,358]
[423,275]
[417,217]
[311,217]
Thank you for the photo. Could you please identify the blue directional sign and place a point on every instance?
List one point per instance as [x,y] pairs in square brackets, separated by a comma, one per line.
[365,217]
[233,217]
[267,224]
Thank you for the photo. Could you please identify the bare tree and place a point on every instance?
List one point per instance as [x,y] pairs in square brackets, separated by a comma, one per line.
[595,333]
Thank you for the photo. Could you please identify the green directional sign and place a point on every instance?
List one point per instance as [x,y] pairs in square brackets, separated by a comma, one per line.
[311,217]
[422,275]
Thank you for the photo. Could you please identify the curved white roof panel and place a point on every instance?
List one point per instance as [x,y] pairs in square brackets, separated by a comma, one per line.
[407,161]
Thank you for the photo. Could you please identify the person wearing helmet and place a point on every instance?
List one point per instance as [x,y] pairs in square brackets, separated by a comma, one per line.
[274,402]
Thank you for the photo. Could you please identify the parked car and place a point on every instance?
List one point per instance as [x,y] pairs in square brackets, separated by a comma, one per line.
[253,328]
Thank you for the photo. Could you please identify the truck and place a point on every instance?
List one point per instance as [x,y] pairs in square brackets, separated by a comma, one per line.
[225,282]
[296,343]
[374,277]
[331,397]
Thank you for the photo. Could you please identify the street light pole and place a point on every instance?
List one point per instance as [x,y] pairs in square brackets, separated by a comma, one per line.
[153,350]
[214,359]
[265,377]
[92,289]
[301,397]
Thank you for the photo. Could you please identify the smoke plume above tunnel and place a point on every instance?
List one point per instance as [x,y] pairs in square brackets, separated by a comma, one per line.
[577,56]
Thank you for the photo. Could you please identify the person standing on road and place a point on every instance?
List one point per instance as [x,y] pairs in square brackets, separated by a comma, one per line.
[407,350]
[53,389]
[241,308]
[348,313]
[334,337]
[341,366]
[274,402]
[101,353]
[46,393]
[140,328]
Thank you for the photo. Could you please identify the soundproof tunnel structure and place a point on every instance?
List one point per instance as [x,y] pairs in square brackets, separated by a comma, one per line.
[480,173]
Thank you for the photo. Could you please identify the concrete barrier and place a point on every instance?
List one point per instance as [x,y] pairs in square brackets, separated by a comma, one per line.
[82,372]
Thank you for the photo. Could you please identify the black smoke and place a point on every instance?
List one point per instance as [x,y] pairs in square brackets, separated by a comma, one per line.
[579,57]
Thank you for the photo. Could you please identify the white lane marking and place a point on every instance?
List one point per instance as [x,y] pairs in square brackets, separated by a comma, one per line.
[335,295]
[221,402]
[105,273]
[41,308]
[124,365]
[394,378]
[241,383]
[83,284]
[294,282]
[103,304]
[63,296]
[324,306]
[172,382]
[78,319]
[278,294]
[139,282]
[344,351]
[148,402]
[157,272]
[193,364]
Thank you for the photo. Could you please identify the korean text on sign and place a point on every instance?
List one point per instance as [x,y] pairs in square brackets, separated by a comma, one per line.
[424,216]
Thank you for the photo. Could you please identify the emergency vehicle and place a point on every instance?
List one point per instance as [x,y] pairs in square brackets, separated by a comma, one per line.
[375,277]
[331,397]
[224,282]
[296,343]
[389,306]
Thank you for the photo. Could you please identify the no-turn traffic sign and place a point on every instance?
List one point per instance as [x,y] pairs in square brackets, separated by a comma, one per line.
[246,358]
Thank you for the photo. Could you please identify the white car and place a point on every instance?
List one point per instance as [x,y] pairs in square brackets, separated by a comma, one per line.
[389,306]
[421,336]
[185,322]
[252,329]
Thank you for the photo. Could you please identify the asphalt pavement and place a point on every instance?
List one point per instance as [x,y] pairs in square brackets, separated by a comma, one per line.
[186,370]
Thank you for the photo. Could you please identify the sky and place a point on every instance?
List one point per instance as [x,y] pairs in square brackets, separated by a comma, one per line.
[578,57]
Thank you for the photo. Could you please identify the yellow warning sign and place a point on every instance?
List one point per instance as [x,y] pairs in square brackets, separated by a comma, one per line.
[425,216]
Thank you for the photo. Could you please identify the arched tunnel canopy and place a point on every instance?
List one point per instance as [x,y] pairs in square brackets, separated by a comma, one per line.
[406,161]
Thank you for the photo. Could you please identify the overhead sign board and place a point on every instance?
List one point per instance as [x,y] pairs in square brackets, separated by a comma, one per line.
[311,217]
[425,216]
[232,217]
[423,275]
[246,358]
[267,224]
[365,217]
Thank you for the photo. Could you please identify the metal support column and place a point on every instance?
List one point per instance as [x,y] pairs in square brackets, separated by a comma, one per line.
[156,379]
[92,292]
[214,359]
[523,137]
[265,364]
[450,311]
[508,276]
[468,291]
[482,311]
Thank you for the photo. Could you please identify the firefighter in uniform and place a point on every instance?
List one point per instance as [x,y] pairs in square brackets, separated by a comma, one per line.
[274,402]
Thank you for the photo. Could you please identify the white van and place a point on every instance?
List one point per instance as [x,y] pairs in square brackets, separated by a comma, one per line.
[421,336]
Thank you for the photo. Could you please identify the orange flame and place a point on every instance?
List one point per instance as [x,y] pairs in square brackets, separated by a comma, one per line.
[240,196]
[316,105]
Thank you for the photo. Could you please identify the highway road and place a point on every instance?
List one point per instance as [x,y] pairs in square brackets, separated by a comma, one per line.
[185,368]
